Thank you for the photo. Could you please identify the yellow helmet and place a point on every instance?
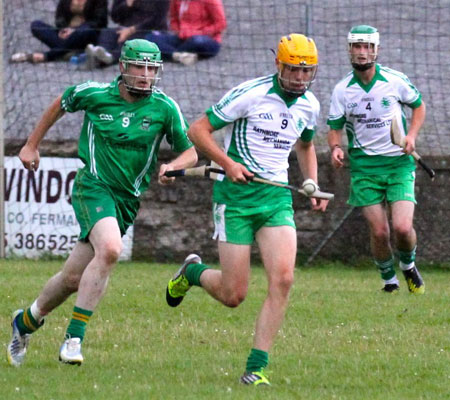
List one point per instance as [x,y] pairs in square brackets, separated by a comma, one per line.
[297,61]
[297,49]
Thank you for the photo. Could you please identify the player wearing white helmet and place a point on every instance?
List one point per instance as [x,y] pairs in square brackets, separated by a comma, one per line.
[363,37]
[365,102]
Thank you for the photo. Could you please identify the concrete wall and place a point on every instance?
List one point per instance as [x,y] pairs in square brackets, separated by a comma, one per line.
[176,220]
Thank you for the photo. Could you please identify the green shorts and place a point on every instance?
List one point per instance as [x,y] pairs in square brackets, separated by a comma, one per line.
[93,200]
[239,225]
[367,190]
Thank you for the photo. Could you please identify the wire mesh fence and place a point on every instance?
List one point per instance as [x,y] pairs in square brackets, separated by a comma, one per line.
[414,40]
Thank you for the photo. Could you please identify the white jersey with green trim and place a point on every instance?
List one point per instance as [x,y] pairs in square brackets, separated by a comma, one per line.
[266,126]
[367,110]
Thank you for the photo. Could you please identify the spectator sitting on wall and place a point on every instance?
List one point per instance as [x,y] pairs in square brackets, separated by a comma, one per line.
[136,18]
[196,27]
[76,24]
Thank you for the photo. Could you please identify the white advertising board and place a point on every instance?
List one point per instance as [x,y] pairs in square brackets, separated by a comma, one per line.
[39,218]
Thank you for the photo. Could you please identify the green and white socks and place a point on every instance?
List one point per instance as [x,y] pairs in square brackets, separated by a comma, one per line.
[387,271]
[386,267]
[407,259]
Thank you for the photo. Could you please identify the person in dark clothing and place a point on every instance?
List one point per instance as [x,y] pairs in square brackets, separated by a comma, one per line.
[136,18]
[77,23]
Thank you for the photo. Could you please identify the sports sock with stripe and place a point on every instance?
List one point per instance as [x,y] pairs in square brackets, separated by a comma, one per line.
[77,325]
[407,258]
[27,323]
[386,268]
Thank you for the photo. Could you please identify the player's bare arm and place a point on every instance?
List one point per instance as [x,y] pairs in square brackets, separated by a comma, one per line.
[307,161]
[186,159]
[200,133]
[29,154]
[417,120]
[334,142]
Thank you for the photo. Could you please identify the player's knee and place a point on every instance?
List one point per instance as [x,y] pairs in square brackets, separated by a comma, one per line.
[380,233]
[110,252]
[234,299]
[402,230]
[283,282]
[233,302]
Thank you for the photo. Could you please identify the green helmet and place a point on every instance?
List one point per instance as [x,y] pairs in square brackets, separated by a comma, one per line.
[364,34]
[140,52]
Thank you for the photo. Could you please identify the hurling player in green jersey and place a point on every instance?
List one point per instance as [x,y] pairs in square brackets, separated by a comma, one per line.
[124,123]
[271,116]
[366,101]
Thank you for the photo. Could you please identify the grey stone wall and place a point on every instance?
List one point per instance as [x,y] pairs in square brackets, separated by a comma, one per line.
[176,220]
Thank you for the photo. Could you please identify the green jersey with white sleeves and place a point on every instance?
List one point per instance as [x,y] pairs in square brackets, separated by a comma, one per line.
[119,141]
[266,125]
[367,112]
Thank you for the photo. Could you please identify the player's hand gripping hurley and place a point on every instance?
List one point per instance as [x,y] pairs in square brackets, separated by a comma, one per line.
[212,172]
[398,139]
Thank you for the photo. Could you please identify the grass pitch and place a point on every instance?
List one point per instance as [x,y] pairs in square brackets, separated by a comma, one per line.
[342,339]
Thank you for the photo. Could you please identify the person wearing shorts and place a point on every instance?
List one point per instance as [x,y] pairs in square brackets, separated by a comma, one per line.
[366,101]
[270,116]
[124,124]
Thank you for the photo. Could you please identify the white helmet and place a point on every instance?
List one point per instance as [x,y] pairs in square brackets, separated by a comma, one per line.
[363,34]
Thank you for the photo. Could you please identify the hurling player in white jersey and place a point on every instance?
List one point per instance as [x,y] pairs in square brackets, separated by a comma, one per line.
[271,116]
[382,174]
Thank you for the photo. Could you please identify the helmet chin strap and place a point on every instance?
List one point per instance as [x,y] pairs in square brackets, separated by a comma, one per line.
[137,93]
[363,67]
[366,66]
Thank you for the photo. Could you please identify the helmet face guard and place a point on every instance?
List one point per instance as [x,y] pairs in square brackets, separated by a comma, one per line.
[359,35]
[297,61]
[295,80]
[146,56]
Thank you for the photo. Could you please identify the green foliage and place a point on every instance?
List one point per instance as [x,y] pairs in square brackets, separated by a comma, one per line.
[342,339]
